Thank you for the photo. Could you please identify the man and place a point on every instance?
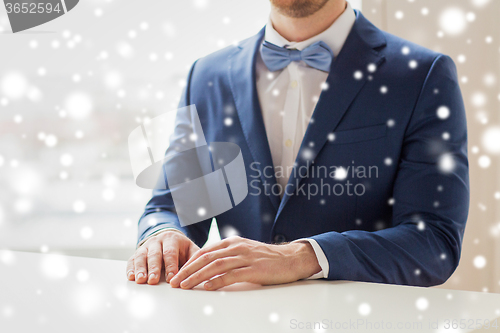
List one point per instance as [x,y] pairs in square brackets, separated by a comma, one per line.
[321,87]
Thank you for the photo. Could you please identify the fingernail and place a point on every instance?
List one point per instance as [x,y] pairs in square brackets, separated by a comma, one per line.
[152,276]
[140,275]
[169,276]
[184,283]
[208,285]
[130,273]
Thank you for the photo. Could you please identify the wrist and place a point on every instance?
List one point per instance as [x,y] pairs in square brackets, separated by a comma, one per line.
[305,262]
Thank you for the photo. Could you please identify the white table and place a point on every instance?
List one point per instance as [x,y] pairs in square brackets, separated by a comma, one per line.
[51,293]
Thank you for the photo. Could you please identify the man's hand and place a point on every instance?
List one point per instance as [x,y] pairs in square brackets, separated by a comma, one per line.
[170,249]
[237,259]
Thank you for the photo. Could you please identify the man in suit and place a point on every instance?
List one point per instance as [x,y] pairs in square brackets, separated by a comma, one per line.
[321,88]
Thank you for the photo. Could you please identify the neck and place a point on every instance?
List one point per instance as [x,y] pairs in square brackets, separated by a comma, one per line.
[299,29]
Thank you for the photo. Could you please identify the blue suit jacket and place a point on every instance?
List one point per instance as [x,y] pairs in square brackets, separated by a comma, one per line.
[408,225]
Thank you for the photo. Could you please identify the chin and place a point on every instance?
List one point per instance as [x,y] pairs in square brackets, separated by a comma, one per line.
[298,8]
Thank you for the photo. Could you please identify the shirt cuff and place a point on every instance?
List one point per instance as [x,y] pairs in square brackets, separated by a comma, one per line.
[156,233]
[320,255]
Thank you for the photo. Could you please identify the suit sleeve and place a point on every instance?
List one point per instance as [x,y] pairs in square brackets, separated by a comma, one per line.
[431,191]
[160,210]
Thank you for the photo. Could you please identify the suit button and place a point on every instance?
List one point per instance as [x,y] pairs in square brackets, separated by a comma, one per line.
[279,238]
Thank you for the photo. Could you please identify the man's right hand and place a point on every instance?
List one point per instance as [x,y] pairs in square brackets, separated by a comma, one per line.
[170,249]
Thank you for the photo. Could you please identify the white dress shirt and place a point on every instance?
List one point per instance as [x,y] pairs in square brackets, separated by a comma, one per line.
[288,98]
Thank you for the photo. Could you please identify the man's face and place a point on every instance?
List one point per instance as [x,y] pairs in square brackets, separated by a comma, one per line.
[298,8]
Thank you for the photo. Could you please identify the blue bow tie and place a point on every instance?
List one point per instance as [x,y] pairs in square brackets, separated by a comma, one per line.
[317,55]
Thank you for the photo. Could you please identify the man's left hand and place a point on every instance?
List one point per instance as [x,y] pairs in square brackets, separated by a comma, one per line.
[238,259]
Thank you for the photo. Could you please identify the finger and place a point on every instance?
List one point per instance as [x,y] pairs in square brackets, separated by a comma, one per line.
[214,247]
[202,261]
[192,249]
[154,262]
[130,269]
[170,258]
[236,275]
[217,267]
[140,261]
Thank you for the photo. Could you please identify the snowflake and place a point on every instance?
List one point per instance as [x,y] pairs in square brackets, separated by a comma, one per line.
[55,266]
[229,231]
[86,232]
[82,275]
[208,310]
[141,305]
[453,21]
[14,85]
[66,160]
[446,163]
[491,139]
[422,303]
[201,211]
[421,225]
[340,173]
[484,161]
[364,309]
[79,206]
[470,17]
[479,99]
[307,154]
[108,194]
[479,262]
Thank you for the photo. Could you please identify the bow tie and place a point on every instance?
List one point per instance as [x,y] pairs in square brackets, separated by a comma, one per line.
[317,55]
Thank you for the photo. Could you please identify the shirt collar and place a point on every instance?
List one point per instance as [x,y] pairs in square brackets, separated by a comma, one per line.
[334,36]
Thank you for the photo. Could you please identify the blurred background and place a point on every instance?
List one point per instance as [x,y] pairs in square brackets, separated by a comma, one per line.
[72,90]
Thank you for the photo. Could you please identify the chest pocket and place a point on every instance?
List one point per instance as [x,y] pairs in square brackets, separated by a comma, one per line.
[359,134]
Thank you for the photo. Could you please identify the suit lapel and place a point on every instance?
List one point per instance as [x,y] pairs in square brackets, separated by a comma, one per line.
[356,54]
[242,80]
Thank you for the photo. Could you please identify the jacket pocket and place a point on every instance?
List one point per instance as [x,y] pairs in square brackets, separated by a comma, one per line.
[359,134]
